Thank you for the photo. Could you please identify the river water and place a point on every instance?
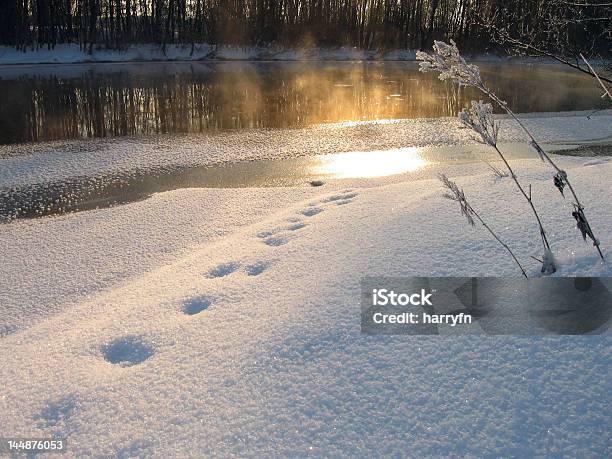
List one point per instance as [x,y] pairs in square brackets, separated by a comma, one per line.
[50,102]
[54,110]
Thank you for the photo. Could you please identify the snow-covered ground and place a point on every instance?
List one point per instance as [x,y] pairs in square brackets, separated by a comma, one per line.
[238,310]
[72,54]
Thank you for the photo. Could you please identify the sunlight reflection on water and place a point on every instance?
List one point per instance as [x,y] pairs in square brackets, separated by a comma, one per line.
[357,164]
[100,191]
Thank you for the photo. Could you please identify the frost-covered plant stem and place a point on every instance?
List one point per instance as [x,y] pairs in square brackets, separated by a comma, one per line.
[456,194]
[527,198]
[536,146]
[479,118]
[448,61]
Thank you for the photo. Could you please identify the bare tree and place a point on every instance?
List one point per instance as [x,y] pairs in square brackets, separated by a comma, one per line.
[362,23]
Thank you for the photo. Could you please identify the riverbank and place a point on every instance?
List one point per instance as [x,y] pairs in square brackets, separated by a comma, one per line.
[72,54]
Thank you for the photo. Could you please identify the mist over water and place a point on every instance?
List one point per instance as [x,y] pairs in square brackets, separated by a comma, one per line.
[89,101]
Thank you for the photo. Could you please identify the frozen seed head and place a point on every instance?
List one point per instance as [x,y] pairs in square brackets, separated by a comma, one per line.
[454,193]
[447,60]
[479,118]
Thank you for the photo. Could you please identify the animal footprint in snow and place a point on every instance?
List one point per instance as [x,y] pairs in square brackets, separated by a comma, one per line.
[266,233]
[343,198]
[127,351]
[223,270]
[257,268]
[296,226]
[275,241]
[343,201]
[311,211]
[275,238]
[56,412]
[196,305]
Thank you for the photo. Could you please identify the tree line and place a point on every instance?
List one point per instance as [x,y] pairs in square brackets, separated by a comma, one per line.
[367,24]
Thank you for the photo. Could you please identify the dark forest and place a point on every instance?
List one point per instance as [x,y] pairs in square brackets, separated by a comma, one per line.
[368,24]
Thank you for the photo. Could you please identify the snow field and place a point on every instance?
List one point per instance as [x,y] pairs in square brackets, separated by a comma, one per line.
[249,343]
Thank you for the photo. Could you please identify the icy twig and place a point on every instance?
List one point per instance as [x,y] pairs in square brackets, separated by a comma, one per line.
[605,88]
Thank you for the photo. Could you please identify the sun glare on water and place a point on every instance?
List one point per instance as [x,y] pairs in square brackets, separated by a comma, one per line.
[382,163]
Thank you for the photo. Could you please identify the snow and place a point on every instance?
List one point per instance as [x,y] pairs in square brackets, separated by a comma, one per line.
[72,54]
[225,322]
